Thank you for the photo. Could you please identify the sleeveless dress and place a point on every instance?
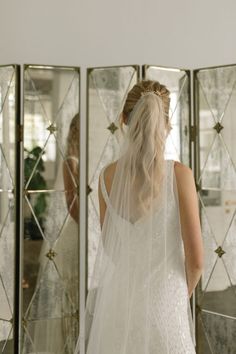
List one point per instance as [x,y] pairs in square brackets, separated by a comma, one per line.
[170,327]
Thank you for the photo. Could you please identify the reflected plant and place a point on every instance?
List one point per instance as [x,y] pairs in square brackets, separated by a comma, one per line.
[34,162]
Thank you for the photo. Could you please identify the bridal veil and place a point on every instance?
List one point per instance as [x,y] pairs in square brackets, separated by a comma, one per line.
[131,307]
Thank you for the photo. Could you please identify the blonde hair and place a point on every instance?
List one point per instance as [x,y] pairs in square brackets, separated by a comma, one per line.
[149,125]
[143,86]
[73,137]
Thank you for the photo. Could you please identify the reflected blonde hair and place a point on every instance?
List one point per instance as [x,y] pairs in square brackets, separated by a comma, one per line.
[73,137]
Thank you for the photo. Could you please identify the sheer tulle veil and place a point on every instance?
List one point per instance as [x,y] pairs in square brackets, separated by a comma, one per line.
[135,251]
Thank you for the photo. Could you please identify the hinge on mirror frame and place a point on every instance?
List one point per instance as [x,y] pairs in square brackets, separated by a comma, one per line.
[193,133]
[20,131]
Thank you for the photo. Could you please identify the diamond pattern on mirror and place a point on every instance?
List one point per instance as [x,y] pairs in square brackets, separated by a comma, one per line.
[209,246]
[7,75]
[33,99]
[111,85]
[40,162]
[175,105]
[7,266]
[204,343]
[36,336]
[6,312]
[6,202]
[5,336]
[217,95]
[110,153]
[218,289]
[52,100]
[6,180]
[32,227]
[28,345]
[94,232]
[219,215]
[219,171]
[217,86]
[50,299]
[51,222]
[229,246]
[42,83]
[221,332]
[69,108]
[34,162]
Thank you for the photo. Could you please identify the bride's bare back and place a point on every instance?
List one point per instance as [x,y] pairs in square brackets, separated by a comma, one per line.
[189,218]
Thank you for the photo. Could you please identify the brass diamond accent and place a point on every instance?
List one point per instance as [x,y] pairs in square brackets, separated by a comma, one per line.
[51,254]
[24,322]
[112,127]
[218,127]
[52,128]
[89,189]
[220,251]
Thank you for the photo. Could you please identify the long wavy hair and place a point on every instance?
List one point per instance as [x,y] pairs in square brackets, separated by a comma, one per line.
[146,113]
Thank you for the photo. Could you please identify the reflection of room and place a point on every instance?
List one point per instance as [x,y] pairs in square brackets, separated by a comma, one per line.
[217,195]
[50,297]
[7,180]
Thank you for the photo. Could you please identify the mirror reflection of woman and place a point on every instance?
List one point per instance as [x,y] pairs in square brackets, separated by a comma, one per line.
[55,306]
[150,255]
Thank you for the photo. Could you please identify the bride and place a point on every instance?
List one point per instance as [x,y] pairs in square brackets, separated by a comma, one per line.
[150,255]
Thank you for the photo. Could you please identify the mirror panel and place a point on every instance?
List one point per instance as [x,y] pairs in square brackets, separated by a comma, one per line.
[177,82]
[216,180]
[8,82]
[107,90]
[51,214]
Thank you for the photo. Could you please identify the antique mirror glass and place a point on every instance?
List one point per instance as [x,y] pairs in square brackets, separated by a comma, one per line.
[7,185]
[107,90]
[215,90]
[51,237]
[177,82]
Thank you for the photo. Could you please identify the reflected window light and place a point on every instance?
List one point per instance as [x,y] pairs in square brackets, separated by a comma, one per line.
[35,127]
[172,149]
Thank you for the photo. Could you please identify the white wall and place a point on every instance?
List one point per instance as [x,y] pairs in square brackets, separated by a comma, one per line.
[85,33]
[184,33]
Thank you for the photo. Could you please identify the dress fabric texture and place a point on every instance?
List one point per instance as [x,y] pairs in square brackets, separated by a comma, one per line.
[139,302]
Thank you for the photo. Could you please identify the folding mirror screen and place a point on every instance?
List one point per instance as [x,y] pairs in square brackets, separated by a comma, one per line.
[203,102]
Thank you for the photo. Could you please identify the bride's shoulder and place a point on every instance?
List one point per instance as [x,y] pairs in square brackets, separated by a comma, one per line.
[184,175]
[108,173]
[181,168]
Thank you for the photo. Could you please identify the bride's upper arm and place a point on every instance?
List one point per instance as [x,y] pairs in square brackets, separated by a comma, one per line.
[189,215]
[102,204]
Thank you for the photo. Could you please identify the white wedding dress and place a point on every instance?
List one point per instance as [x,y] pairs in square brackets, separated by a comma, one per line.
[138,303]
